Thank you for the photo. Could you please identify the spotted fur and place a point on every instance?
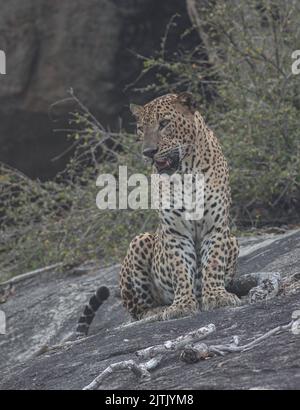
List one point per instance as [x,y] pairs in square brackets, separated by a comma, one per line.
[186,265]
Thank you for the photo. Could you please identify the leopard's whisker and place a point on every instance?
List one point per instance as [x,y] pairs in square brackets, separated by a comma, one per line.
[178,149]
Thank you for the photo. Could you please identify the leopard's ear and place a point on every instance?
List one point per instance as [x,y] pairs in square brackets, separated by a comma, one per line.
[136,110]
[187,100]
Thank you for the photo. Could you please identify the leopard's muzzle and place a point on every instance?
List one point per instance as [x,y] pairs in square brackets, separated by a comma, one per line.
[168,163]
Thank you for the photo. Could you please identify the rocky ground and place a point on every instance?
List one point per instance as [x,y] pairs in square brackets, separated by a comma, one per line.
[44,309]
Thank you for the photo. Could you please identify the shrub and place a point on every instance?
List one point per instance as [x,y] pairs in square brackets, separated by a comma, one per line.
[43,223]
[241,76]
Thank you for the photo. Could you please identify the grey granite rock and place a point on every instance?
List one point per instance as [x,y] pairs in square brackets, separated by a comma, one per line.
[53,45]
[45,308]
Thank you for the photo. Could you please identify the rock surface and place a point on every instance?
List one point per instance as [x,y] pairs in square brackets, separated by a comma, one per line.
[45,309]
[53,45]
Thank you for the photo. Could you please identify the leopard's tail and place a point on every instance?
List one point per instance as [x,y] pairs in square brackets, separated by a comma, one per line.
[90,310]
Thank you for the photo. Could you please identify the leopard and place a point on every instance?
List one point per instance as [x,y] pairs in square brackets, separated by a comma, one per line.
[187,265]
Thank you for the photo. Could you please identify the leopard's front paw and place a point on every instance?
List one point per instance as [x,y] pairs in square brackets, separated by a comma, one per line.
[180,310]
[219,298]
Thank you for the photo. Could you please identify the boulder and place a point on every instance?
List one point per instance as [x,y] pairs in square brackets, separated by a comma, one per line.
[53,45]
[44,310]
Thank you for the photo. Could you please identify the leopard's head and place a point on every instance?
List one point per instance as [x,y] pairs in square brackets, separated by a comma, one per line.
[167,128]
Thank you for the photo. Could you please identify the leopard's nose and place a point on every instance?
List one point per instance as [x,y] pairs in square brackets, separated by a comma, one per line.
[150,152]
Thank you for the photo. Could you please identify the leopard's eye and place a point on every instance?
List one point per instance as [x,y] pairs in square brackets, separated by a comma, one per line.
[163,123]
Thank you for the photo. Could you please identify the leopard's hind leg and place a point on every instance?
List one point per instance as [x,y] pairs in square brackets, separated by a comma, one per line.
[138,292]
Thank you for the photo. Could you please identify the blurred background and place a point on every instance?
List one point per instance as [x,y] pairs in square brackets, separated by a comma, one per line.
[73,67]
[90,45]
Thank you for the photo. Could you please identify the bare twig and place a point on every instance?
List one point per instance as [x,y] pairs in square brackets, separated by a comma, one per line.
[61,346]
[189,353]
[178,343]
[30,274]
[201,351]
[141,370]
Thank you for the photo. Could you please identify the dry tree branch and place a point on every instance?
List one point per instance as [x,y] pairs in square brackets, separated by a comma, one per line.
[178,343]
[35,272]
[189,353]
[198,23]
[86,110]
[141,370]
[201,351]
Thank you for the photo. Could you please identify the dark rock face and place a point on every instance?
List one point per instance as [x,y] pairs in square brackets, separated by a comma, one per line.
[53,45]
[45,309]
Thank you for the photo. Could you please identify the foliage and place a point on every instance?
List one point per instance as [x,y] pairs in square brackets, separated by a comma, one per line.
[241,76]
[47,222]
